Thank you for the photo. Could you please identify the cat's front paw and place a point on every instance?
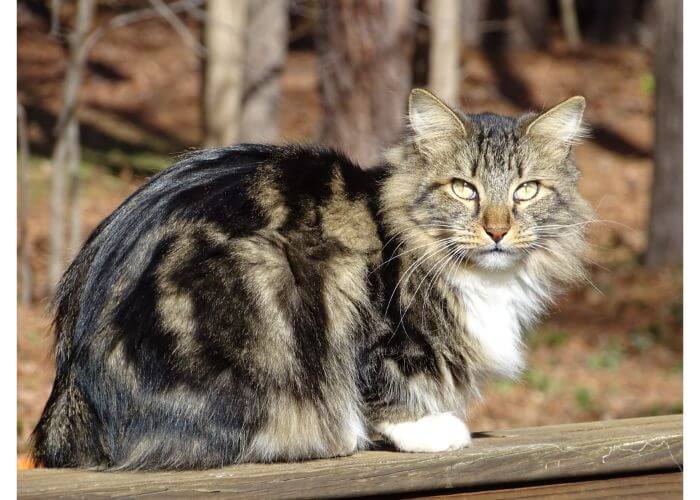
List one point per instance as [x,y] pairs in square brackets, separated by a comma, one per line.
[433,433]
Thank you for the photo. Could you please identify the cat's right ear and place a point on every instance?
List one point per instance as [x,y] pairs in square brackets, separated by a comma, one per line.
[434,125]
[560,127]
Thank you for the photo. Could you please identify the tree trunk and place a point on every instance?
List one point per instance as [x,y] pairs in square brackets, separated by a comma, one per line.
[365,50]
[75,237]
[612,22]
[666,217]
[67,139]
[25,271]
[266,50]
[444,71]
[569,21]
[224,38]
[471,14]
[531,23]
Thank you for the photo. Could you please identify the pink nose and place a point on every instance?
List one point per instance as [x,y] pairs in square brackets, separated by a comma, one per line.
[497,233]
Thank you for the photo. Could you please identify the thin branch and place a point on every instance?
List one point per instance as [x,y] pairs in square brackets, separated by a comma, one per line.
[193,8]
[151,12]
[140,15]
[23,215]
[55,18]
[75,236]
[180,27]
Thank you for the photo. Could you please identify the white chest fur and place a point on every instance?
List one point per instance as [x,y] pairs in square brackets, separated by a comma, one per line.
[499,305]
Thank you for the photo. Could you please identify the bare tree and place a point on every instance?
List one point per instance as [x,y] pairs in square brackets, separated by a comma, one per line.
[365,51]
[471,14]
[73,161]
[224,38]
[531,22]
[666,218]
[23,209]
[66,154]
[569,21]
[444,71]
[265,53]
[613,22]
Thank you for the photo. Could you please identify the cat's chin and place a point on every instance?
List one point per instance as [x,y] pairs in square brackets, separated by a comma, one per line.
[496,261]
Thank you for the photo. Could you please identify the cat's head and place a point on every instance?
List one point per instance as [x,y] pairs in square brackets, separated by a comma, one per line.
[489,191]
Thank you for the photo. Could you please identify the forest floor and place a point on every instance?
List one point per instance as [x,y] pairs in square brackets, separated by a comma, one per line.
[611,348]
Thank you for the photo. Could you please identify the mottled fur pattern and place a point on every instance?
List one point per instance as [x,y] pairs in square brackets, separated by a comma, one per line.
[259,303]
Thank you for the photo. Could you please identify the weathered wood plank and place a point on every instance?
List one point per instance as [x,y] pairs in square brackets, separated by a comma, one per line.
[561,452]
[649,486]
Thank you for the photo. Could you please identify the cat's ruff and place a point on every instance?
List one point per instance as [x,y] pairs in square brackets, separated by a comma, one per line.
[498,307]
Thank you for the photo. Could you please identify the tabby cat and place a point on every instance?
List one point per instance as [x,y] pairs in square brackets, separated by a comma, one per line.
[260,303]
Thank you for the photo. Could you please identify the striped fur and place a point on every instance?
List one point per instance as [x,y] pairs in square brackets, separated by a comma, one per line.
[260,303]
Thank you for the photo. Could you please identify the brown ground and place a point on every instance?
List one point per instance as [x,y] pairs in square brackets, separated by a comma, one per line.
[611,348]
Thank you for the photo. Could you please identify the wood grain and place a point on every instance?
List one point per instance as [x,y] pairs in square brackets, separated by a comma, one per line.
[649,486]
[552,453]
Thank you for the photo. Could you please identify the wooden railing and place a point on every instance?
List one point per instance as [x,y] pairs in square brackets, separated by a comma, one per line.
[591,460]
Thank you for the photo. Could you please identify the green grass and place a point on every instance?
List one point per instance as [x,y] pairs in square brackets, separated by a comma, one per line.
[663,409]
[503,386]
[141,162]
[39,188]
[537,380]
[608,358]
[677,311]
[554,338]
[647,336]
[584,399]
[641,340]
[38,336]
[647,83]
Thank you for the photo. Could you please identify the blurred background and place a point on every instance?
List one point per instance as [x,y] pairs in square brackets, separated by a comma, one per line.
[110,90]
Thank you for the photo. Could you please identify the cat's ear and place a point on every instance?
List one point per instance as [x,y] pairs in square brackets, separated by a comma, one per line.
[561,126]
[434,125]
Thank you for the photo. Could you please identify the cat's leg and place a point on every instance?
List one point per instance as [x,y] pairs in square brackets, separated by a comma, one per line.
[298,429]
[432,433]
[418,411]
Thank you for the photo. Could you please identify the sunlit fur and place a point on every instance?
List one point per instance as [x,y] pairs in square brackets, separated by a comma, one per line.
[500,292]
[259,303]
[496,154]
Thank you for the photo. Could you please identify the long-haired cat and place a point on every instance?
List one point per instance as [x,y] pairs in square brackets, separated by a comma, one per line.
[259,303]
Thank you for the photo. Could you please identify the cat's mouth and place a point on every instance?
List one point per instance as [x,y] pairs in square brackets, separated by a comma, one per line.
[496,257]
[495,249]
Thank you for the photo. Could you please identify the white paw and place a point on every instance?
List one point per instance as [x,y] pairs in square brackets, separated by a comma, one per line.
[433,433]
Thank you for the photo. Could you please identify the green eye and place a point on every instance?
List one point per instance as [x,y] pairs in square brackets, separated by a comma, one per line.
[526,191]
[464,190]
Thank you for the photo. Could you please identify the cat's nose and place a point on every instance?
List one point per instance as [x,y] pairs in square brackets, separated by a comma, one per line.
[496,233]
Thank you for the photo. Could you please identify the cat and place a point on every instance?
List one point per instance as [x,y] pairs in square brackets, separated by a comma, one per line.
[259,303]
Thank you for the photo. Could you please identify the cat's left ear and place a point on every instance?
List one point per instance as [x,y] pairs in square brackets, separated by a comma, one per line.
[560,127]
[434,125]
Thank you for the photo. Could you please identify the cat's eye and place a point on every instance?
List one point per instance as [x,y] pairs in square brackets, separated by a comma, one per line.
[526,191]
[462,189]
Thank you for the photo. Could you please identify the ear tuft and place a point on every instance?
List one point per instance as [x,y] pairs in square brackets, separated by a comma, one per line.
[433,123]
[563,124]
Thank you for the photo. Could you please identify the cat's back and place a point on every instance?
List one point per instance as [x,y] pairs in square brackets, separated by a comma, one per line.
[237,201]
[236,273]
